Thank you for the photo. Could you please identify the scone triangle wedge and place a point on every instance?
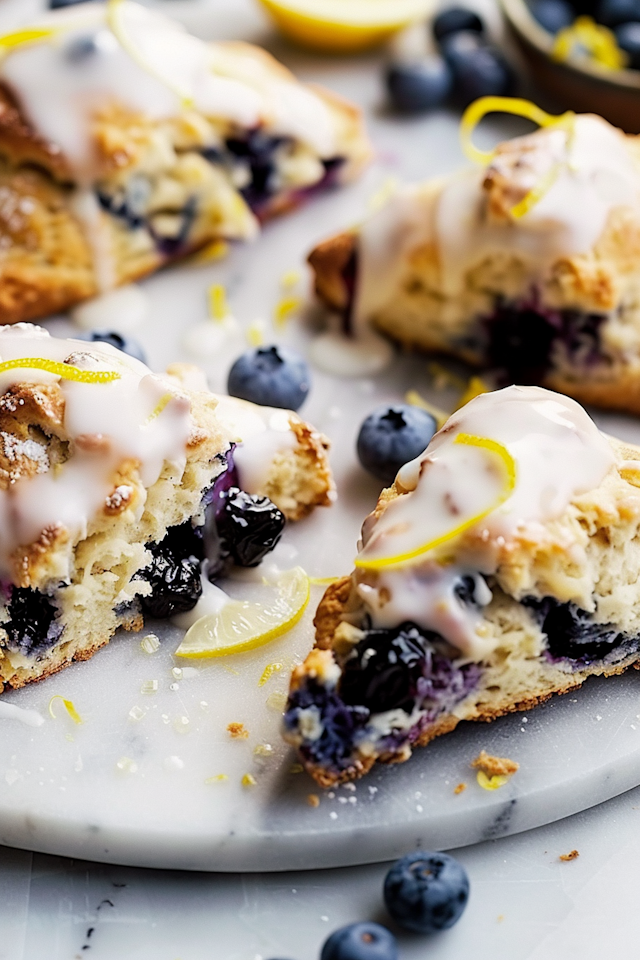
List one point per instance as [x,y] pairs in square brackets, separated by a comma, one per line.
[124,494]
[126,143]
[501,567]
[526,263]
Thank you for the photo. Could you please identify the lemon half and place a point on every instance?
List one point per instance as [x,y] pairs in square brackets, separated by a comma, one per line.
[344,26]
[243,625]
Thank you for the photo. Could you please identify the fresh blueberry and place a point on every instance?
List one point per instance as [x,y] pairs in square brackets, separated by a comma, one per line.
[117,340]
[454,20]
[628,39]
[553,15]
[174,572]
[271,376]
[612,13]
[423,85]
[360,941]
[391,436]
[426,892]
[243,529]
[479,69]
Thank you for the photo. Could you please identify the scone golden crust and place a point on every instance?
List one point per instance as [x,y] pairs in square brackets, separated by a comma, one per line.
[116,159]
[114,492]
[528,267]
[501,568]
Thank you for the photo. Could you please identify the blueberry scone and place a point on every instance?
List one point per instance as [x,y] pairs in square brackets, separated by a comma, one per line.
[500,568]
[125,143]
[528,265]
[121,489]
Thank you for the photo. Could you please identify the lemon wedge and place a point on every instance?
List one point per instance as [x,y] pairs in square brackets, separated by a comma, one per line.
[242,625]
[507,485]
[344,26]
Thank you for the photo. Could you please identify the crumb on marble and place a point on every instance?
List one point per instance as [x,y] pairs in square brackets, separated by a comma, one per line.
[565,857]
[313,800]
[218,778]
[460,788]
[237,731]
[500,918]
[495,766]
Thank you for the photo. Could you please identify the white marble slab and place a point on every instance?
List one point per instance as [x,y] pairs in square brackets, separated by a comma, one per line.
[134,791]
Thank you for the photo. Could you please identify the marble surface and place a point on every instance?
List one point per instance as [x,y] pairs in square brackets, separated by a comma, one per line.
[526,904]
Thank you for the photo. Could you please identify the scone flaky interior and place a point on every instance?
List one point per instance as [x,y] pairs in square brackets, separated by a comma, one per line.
[528,266]
[110,479]
[500,568]
[125,143]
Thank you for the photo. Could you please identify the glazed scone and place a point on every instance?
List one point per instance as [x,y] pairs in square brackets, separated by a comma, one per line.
[126,143]
[502,566]
[114,482]
[529,266]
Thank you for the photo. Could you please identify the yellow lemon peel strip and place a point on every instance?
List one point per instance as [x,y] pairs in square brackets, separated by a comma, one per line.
[268,672]
[217,297]
[510,472]
[69,707]
[117,27]
[161,405]
[416,400]
[19,38]
[599,41]
[64,370]
[490,783]
[474,388]
[519,107]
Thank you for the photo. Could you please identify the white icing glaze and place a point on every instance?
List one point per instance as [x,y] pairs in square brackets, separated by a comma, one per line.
[261,432]
[123,309]
[344,356]
[123,415]
[30,718]
[61,93]
[595,174]
[559,453]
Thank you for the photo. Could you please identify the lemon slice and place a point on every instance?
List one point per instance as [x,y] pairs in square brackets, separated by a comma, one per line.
[509,475]
[242,625]
[344,26]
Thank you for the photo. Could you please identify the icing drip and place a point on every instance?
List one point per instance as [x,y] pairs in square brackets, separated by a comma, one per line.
[595,174]
[559,453]
[63,81]
[113,421]
[262,433]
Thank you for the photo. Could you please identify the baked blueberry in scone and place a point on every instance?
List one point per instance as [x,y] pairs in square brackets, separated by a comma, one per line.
[121,488]
[125,143]
[500,568]
[528,265]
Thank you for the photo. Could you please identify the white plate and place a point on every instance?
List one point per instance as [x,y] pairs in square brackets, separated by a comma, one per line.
[135,791]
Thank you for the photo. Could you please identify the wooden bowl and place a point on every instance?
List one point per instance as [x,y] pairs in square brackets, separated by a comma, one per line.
[578,83]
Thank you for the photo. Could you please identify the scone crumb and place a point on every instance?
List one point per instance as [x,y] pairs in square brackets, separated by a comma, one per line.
[249,780]
[460,788]
[573,855]
[237,731]
[263,750]
[313,800]
[495,766]
[500,918]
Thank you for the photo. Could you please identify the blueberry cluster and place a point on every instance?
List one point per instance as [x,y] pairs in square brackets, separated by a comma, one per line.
[467,66]
[573,635]
[521,337]
[424,892]
[391,669]
[241,529]
[620,16]
[174,572]
[33,626]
